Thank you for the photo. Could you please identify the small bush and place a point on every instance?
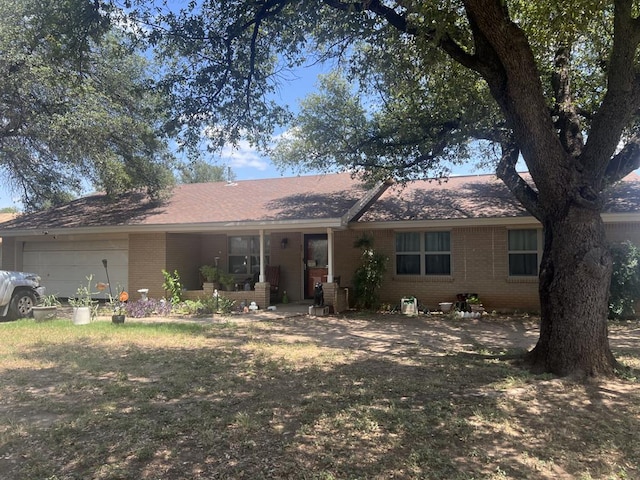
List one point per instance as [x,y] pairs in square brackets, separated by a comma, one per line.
[222,304]
[173,285]
[368,276]
[625,280]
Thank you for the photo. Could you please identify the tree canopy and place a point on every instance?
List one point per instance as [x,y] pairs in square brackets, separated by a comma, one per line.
[77,107]
[202,172]
[416,84]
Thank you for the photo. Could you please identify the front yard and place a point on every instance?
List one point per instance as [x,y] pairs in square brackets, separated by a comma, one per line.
[351,397]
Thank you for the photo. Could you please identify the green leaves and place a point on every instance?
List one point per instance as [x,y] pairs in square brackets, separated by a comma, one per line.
[76,107]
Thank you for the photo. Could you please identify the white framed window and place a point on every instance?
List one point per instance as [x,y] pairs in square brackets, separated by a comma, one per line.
[524,252]
[423,253]
[244,254]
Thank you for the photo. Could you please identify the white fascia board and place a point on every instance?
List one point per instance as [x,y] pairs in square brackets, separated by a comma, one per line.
[447,223]
[480,222]
[621,217]
[218,227]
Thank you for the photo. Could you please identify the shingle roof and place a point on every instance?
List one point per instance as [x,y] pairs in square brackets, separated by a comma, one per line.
[305,198]
[313,197]
[474,197]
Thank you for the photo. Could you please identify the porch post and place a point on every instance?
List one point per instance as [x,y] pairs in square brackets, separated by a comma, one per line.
[330,255]
[262,276]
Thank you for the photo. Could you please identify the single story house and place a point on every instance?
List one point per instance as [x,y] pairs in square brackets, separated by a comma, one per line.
[467,234]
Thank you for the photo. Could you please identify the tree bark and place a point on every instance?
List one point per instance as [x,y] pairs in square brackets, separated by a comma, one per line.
[575,273]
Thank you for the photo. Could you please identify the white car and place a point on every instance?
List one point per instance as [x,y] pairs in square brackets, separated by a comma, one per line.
[19,292]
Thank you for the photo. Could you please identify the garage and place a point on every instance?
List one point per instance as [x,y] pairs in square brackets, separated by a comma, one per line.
[65,264]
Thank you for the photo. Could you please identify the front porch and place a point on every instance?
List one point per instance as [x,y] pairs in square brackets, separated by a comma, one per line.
[335,297]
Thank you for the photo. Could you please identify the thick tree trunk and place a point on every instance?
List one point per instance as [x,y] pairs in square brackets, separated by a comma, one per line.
[575,274]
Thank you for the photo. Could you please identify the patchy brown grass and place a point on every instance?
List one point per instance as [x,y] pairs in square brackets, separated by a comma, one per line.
[328,398]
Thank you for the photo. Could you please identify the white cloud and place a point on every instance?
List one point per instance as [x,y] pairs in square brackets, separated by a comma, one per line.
[243,156]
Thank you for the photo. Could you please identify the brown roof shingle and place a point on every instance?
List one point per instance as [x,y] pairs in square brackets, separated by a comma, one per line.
[304,198]
[292,198]
[474,197]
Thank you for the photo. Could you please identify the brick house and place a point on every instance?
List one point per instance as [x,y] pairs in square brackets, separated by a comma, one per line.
[464,235]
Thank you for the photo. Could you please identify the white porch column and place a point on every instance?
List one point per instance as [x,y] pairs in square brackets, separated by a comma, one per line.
[330,255]
[262,276]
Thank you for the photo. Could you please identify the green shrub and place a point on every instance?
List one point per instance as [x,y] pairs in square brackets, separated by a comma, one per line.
[368,276]
[173,285]
[220,304]
[625,280]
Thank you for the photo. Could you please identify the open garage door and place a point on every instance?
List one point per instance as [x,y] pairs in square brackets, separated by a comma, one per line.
[65,264]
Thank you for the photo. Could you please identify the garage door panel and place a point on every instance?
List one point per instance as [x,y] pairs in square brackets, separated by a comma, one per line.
[64,265]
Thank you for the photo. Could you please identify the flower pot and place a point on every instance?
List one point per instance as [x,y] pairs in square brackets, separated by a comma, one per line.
[445,306]
[42,313]
[81,315]
[117,318]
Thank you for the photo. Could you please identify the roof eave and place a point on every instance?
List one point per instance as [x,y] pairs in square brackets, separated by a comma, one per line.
[478,222]
[214,227]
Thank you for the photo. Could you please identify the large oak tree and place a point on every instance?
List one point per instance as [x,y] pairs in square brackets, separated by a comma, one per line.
[553,83]
[77,110]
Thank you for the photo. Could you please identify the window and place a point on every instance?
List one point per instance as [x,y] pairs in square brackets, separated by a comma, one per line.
[523,253]
[244,255]
[437,253]
[423,253]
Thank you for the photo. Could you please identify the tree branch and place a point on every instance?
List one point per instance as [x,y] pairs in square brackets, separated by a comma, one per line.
[399,22]
[624,162]
[623,92]
[568,123]
[506,172]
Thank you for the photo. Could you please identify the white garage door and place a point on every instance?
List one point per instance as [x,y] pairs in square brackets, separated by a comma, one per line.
[64,265]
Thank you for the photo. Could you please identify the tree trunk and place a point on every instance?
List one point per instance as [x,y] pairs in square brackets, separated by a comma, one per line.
[575,275]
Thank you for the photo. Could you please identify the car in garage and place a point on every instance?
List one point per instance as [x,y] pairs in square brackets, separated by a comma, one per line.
[19,292]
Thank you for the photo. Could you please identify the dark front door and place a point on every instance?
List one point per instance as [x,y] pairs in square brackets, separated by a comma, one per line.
[316,260]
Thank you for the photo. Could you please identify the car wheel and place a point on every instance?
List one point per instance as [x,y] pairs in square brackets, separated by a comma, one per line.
[22,304]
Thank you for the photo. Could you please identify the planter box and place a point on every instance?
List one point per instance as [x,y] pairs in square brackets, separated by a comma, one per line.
[40,313]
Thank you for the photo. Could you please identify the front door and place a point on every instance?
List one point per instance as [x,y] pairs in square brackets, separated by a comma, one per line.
[316,261]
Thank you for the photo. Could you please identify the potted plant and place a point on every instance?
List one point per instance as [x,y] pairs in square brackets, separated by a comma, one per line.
[475,305]
[119,306]
[211,276]
[46,308]
[215,278]
[84,306]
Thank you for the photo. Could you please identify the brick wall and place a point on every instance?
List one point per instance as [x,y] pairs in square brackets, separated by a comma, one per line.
[9,254]
[183,255]
[620,232]
[479,258]
[479,265]
[147,258]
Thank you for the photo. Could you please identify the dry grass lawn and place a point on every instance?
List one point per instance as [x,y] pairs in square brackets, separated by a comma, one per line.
[353,397]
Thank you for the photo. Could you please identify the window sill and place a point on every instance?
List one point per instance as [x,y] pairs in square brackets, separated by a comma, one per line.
[424,278]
